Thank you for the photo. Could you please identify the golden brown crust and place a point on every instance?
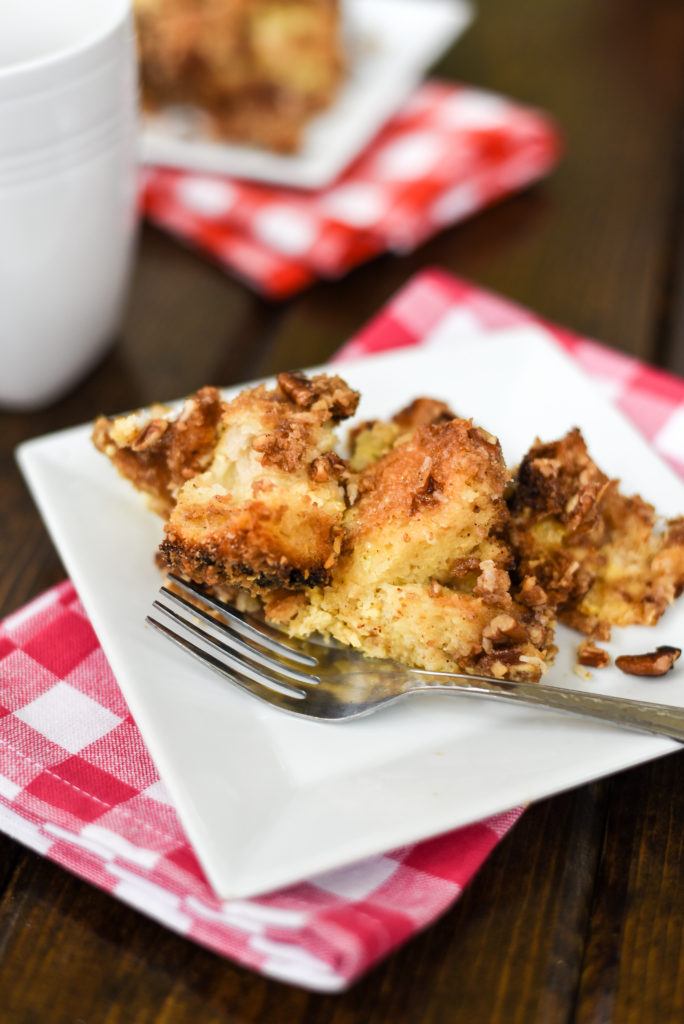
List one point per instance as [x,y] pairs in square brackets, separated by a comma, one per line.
[252,489]
[429,471]
[253,545]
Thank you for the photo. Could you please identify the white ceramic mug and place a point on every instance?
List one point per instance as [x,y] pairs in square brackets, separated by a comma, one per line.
[68,125]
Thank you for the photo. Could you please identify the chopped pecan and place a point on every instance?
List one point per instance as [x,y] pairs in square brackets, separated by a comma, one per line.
[548,468]
[299,388]
[328,467]
[331,391]
[428,489]
[150,435]
[653,663]
[591,656]
[493,584]
[532,594]
[504,630]
[421,412]
[482,435]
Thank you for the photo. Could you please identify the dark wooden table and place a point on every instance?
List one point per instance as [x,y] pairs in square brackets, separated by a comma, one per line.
[579,914]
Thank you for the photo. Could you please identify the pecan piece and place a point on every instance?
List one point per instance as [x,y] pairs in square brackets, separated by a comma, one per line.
[504,630]
[493,584]
[532,594]
[328,467]
[332,392]
[150,435]
[591,656]
[423,412]
[653,663]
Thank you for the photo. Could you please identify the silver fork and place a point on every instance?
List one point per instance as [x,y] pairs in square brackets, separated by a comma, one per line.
[332,683]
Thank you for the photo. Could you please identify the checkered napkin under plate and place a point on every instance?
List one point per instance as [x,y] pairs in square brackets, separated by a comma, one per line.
[78,785]
[450,151]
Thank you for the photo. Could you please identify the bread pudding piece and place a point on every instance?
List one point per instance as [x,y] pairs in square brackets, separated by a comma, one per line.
[263,507]
[423,576]
[258,68]
[600,558]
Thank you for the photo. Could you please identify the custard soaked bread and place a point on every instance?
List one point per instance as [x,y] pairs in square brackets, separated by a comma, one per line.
[421,546]
[423,575]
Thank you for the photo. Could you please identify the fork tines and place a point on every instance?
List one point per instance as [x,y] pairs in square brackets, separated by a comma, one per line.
[250,651]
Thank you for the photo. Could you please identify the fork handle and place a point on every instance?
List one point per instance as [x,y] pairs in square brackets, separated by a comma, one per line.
[660,719]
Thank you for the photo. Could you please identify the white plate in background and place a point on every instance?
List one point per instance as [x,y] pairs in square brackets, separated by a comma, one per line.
[392,44]
[267,799]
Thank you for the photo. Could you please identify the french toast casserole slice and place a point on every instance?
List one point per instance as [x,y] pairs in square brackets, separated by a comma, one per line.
[420,545]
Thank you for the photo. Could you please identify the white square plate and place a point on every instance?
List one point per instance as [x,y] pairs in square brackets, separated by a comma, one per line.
[392,43]
[268,799]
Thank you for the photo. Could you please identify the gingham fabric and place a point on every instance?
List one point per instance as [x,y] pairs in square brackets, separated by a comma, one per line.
[78,786]
[449,152]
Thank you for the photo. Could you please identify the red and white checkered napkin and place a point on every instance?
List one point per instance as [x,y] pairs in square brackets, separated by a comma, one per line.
[77,783]
[450,151]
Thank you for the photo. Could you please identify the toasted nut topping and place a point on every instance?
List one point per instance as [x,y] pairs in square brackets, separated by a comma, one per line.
[298,387]
[484,435]
[653,663]
[572,503]
[493,584]
[149,435]
[503,629]
[328,467]
[332,392]
[592,656]
[531,593]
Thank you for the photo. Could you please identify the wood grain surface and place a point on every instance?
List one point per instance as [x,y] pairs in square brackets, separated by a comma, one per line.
[578,916]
